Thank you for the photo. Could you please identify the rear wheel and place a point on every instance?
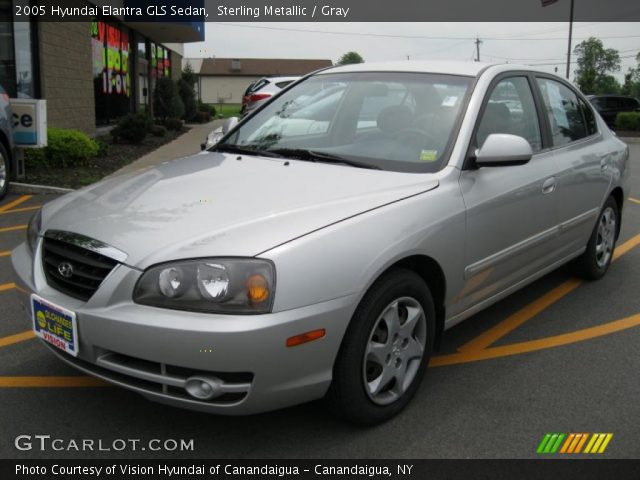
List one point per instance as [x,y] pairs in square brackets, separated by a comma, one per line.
[4,172]
[385,350]
[595,261]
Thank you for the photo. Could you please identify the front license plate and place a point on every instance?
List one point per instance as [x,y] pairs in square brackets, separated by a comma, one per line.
[55,325]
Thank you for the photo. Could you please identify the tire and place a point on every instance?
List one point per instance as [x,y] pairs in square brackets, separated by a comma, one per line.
[377,351]
[5,171]
[595,261]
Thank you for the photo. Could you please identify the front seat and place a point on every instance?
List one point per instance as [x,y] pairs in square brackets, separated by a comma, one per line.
[496,119]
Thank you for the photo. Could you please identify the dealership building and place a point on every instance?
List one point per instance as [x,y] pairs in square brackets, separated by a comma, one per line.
[90,72]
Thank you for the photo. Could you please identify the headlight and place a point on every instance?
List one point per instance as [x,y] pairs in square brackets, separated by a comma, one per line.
[35,224]
[213,285]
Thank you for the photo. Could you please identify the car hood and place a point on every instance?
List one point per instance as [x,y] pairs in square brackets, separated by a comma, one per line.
[223,205]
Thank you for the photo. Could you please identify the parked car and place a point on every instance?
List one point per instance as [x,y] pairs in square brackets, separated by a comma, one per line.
[6,142]
[609,106]
[263,90]
[289,264]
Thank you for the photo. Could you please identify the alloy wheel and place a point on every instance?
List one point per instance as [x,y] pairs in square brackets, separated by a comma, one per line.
[394,350]
[606,235]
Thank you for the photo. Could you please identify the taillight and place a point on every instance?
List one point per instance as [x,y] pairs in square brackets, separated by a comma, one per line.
[4,97]
[258,96]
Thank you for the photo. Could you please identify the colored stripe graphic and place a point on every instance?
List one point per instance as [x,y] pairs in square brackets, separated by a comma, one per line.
[573,443]
[550,443]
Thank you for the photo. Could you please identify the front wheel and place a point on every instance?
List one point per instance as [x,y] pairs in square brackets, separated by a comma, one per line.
[385,350]
[595,261]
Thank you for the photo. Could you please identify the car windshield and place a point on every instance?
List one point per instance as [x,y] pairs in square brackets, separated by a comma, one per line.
[392,121]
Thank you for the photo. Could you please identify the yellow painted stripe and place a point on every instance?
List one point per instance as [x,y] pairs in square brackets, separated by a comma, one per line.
[567,442]
[626,246]
[521,316]
[53,382]
[7,286]
[19,210]
[591,442]
[540,344]
[15,203]
[634,200]
[525,314]
[13,229]
[17,338]
[581,443]
[607,439]
[5,254]
[599,440]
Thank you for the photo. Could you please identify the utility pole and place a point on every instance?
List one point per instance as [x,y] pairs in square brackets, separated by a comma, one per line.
[478,42]
[570,34]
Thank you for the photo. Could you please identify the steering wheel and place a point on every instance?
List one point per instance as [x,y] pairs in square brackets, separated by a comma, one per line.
[414,137]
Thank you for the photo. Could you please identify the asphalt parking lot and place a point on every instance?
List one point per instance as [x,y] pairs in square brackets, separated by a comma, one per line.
[561,356]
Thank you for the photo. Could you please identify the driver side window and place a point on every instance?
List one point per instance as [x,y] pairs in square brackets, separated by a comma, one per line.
[511,109]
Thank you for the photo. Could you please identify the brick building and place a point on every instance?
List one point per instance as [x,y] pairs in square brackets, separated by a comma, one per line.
[92,72]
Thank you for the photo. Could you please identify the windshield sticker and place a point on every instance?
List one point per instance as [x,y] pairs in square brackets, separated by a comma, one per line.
[428,155]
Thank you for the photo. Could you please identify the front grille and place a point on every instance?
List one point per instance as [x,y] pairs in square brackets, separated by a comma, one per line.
[89,268]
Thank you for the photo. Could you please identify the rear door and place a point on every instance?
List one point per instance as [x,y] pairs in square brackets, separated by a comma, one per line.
[583,160]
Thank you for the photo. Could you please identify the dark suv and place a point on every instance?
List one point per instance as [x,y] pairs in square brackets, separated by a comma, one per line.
[609,106]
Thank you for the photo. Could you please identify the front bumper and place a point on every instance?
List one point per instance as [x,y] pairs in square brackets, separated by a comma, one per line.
[153,351]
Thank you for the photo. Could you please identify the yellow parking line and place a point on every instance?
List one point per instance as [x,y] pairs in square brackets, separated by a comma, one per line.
[5,254]
[15,203]
[528,312]
[521,316]
[12,229]
[54,382]
[18,210]
[7,286]
[17,338]
[634,200]
[533,345]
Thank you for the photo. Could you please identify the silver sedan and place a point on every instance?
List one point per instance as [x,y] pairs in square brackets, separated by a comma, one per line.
[322,246]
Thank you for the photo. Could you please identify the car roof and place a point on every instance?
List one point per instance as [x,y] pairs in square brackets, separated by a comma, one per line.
[464,68]
[449,67]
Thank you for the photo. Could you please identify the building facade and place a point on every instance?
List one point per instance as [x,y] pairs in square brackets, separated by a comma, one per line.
[91,73]
[224,80]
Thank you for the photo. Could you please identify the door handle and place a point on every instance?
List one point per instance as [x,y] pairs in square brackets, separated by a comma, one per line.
[549,185]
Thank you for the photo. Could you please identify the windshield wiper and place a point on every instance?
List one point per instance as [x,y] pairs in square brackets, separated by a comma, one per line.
[245,150]
[315,156]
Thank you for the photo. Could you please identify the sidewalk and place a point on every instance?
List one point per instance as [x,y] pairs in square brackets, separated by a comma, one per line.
[183,146]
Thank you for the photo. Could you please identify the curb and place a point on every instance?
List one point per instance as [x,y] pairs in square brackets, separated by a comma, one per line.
[630,139]
[37,189]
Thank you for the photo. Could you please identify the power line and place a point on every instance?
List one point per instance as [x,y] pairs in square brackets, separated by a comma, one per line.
[414,37]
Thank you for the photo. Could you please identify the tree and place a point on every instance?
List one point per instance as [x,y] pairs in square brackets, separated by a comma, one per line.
[350,57]
[632,80]
[166,100]
[187,92]
[595,63]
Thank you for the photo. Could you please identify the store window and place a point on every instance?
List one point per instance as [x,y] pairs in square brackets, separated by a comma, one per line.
[111,70]
[17,43]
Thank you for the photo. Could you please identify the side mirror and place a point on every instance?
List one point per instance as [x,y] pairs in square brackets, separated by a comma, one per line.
[228,124]
[212,138]
[502,149]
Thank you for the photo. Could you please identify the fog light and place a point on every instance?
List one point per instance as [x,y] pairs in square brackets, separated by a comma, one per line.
[203,388]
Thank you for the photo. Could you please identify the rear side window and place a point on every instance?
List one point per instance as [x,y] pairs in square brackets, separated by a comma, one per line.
[564,112]
[589,118]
